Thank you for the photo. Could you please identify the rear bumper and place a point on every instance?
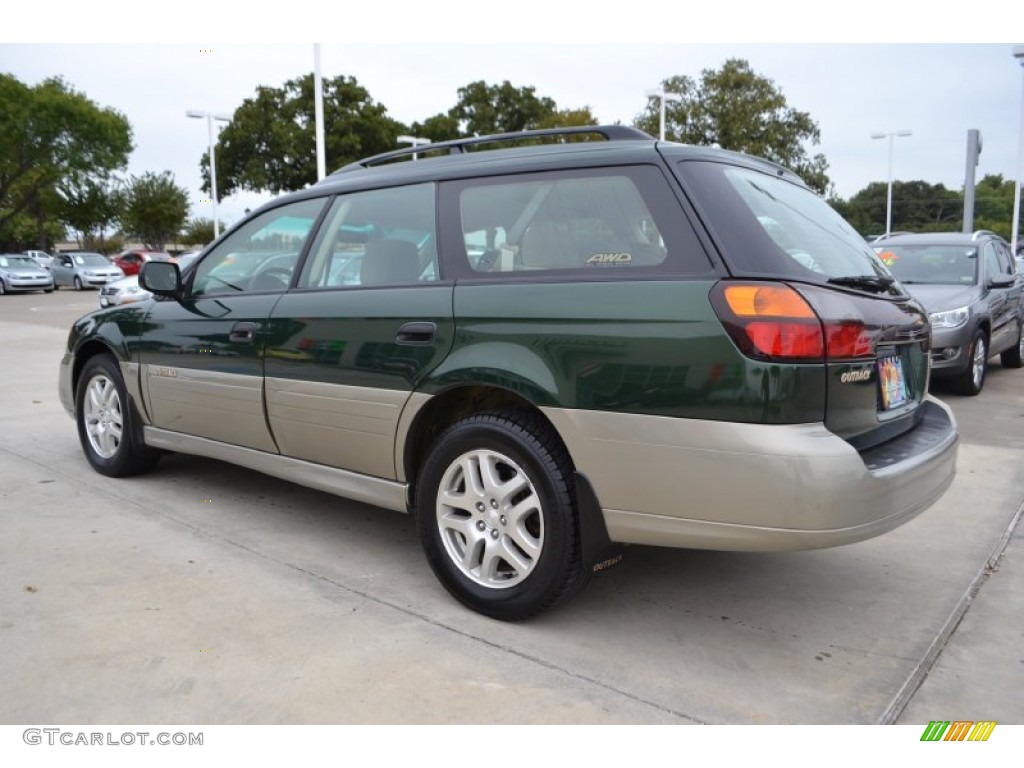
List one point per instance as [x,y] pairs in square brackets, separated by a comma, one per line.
[754,487]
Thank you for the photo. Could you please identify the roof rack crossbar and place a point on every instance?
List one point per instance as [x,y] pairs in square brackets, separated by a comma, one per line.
[458,146]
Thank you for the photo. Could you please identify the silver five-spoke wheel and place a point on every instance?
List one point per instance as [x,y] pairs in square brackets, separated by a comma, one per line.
[104,422]
[490,518]
[978,362]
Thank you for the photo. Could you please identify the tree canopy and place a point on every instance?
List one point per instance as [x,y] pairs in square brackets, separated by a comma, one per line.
[51,134]
[735,108]
[484,109]
[155,209]
[270,143]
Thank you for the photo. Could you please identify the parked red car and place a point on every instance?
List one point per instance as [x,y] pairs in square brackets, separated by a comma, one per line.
[131,262]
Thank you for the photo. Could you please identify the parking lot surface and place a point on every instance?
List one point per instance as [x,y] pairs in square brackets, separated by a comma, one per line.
[207,593]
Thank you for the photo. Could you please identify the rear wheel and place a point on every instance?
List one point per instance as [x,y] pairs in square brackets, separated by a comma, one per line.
[497,517]
[1014,356]
[972,379]
[108,426]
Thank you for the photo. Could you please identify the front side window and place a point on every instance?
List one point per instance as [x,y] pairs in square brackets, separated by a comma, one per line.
[261,255]
[374,238]
[583,221]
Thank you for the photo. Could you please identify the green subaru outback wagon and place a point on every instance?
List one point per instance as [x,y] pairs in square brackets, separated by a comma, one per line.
[544,346]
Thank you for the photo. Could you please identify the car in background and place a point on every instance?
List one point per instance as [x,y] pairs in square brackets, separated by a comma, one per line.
[128,291]
[970,287]
[22,273]
[84,270]
[131,262]
[42,258]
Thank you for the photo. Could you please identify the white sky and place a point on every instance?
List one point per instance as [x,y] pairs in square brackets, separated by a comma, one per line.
[938,89]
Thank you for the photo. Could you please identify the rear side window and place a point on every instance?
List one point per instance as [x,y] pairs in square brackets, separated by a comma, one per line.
[583,222]
[772,227]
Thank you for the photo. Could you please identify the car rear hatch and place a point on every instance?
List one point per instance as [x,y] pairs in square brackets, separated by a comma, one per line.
[805,289]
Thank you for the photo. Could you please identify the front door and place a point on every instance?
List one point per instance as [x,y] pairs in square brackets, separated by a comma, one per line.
[202,358]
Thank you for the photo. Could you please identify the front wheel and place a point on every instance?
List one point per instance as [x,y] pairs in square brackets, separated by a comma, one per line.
[108,426]
[972,379]
[3,288]
[78,283]
[497,517]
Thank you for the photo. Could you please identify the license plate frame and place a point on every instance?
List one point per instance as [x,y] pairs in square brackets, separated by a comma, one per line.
[892,383]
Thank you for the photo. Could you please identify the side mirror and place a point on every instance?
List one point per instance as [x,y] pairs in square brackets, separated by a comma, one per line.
[1002,281]
[161,278]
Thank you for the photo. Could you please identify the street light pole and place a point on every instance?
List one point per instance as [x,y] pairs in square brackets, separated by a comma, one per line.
[210,117]
[416,141]
[888,200]
[662,96]
[1018,53]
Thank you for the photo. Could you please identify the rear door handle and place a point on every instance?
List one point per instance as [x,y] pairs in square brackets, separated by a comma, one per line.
[243,333]
[416,333]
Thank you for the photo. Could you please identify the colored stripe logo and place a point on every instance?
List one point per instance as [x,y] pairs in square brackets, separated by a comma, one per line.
[958,730]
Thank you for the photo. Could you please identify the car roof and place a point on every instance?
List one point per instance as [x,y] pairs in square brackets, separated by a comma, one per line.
[937,238]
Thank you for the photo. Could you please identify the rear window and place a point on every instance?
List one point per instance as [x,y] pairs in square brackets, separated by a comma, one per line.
[772,227]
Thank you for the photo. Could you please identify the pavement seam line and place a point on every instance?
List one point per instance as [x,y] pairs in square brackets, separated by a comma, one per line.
[100,488]
[924,667]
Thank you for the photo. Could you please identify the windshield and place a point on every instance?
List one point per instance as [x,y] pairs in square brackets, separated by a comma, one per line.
[774,227]
[17,261]
[91,260]
[931,264]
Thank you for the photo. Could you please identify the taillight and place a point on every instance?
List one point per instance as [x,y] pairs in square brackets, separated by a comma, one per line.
[773,321]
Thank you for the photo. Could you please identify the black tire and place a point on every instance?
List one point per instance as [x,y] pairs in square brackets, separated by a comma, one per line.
[78,283]
[47,290]
[109,429]
[1014,356]
[513,569]
[3,288]
[972,379]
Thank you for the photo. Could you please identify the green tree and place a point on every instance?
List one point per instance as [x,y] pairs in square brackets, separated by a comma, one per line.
[270,143]
[568,118]
[91,207]
[440,127]
[993,204]
[199,232]
[483,109]
[917,206]
[155,209]
[735,108]
[51,134]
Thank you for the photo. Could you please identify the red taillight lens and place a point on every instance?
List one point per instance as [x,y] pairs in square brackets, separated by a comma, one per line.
[769,321]
[783,339]
[848,339]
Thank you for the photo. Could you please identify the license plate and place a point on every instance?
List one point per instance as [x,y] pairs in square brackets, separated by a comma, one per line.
[893,382]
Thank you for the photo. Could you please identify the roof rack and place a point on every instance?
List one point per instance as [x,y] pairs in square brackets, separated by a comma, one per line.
[458,146]
[980,232]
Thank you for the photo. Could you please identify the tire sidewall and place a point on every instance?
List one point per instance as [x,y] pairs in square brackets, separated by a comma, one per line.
[120,462]
[549,574]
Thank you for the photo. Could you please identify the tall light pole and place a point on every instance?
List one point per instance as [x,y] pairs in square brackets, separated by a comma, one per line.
[1018,53]
[662,96]
[888,200]
[210,117]
[416,141]
[318,112]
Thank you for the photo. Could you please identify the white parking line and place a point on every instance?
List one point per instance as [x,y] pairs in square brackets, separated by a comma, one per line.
[62,308]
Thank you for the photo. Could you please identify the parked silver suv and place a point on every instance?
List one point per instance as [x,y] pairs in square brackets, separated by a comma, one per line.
[970,287]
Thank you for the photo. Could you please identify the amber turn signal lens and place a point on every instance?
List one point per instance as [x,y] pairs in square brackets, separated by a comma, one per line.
[778,301]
